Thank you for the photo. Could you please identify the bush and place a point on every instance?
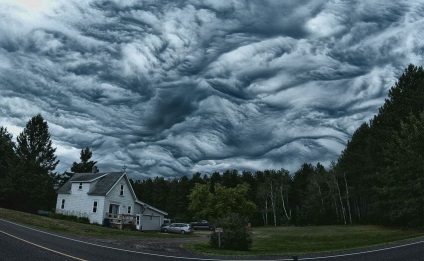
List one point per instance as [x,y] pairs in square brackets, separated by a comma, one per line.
[83,220]
[235,235]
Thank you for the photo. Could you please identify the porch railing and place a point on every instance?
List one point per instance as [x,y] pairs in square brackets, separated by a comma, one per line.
[120,220]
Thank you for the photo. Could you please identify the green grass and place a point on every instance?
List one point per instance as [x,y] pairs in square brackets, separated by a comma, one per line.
[74,228]
[266,240]
[313,239]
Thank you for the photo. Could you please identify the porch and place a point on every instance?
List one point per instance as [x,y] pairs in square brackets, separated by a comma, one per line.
[120,221]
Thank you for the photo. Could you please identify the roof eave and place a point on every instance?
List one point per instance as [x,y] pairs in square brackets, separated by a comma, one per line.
[88,181]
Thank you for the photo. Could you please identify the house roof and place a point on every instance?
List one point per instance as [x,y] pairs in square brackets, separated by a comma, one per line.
[87,177]
[105,183]
[152,208]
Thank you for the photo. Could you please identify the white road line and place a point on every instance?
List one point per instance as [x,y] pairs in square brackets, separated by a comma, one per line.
[45,248]
[212,259]
[363,252]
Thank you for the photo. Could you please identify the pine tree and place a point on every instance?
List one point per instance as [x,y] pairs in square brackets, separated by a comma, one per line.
[7,163]
[86,165]
[34,179]
[35,147]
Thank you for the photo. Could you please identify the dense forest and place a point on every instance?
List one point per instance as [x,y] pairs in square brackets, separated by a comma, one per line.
[378,178]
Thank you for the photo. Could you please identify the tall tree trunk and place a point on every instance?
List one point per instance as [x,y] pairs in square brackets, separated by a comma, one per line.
[315,182]
[320,196]
[284,205]
[340,198]
[356,207]
[266,211]
[334,198]
[347,199]
[274,211]
[359,207]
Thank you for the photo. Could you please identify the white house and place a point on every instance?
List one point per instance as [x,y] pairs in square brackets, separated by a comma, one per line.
[99,196]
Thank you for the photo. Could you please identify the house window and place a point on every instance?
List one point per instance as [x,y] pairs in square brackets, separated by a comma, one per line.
[121,193]
[129,209]
[62,206]
[80,186]
[95,207]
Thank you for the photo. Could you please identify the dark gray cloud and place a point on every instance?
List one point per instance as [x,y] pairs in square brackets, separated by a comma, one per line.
[173,87]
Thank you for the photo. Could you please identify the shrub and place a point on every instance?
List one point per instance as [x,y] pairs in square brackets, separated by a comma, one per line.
[83,220]
[235,235]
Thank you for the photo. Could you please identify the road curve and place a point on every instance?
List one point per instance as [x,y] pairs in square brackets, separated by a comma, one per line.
[19,242]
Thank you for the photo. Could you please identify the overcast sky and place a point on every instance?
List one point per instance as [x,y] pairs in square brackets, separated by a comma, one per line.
[170,88]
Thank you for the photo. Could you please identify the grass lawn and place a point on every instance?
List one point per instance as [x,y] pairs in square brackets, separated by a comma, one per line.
[313,239]
[266,240]
[74,228]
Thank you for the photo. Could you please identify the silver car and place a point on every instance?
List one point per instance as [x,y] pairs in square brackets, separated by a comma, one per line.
[180,228]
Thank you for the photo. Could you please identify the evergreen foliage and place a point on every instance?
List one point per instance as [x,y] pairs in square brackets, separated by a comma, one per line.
[8,162]
[383,161]
[86,165]
[28,177]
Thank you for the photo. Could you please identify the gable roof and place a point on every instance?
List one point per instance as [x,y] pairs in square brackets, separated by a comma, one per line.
[106,182]
[87,177]
[152,208]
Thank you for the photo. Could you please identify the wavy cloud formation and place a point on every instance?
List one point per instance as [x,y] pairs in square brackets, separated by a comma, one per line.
[169,88]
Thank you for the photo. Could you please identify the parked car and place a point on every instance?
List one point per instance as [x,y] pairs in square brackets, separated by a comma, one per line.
[180,228]
[202,224]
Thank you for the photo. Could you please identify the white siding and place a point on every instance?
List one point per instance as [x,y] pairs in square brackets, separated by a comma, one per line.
[81,205]
[150,219]
[113,197]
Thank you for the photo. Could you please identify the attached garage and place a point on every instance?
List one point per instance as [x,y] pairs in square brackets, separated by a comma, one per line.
[150,222]
[150,218]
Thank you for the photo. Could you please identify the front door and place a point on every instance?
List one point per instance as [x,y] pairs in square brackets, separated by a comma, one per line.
[114,209]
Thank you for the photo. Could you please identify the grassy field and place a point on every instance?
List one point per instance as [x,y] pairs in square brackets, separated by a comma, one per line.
[313,239]
[73,228]
[266,240]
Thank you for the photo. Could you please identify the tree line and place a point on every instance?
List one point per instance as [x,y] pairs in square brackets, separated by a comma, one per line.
[313,195]
[378,178]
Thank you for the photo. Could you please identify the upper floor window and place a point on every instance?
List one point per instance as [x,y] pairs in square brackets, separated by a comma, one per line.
[62,206]
[121,192]
[95,207]
[129,209]
[80,186]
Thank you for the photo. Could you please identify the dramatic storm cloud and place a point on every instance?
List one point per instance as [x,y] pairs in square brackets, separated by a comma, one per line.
[169,88]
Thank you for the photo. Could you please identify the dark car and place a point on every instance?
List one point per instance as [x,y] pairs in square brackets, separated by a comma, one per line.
[202,224]
[180,228]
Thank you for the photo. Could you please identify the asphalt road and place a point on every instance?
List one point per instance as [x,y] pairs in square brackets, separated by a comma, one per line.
[18,242]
